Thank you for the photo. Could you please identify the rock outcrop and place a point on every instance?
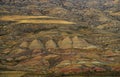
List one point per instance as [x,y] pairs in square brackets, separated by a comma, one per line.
[36,44]
[77,43]
[81,43]
[24,45]
[50,45]
[66,43]
[18,51]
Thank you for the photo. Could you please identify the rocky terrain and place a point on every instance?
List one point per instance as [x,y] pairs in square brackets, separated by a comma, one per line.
[60,36]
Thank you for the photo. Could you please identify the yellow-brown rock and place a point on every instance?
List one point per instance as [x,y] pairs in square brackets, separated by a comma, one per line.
[36,44]
[66,43]
[50,44]
[24,45]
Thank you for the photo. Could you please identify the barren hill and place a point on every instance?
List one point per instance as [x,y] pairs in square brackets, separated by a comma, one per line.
[61,36]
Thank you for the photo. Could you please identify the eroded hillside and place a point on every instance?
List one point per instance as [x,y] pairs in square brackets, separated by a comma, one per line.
[60,36]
